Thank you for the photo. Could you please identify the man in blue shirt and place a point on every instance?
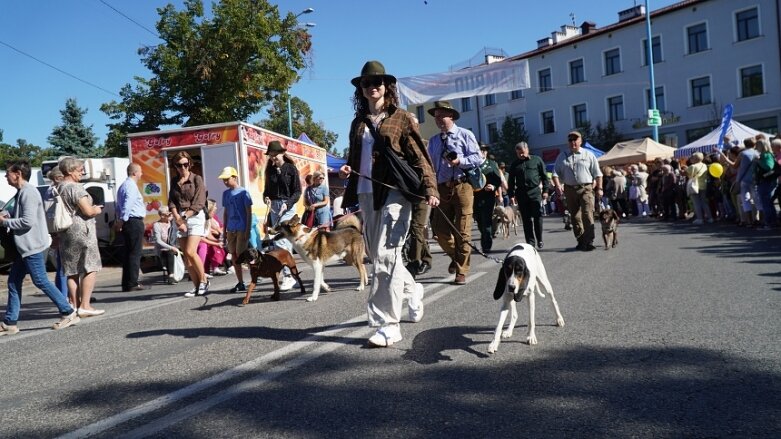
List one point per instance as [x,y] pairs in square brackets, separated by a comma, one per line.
[130,222]
[452,152]
[237,217]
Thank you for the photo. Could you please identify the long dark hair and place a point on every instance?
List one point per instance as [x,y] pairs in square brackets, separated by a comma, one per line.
[361,104]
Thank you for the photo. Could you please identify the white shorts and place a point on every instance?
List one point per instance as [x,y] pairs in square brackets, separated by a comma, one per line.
[196,225]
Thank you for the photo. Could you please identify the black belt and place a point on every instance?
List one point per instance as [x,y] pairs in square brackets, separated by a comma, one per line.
[136,218]
[455,182]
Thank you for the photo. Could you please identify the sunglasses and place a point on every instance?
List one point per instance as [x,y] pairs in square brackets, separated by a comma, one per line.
[182,165]
[372,82]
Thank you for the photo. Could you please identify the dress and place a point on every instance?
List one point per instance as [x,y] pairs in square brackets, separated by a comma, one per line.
[79,242]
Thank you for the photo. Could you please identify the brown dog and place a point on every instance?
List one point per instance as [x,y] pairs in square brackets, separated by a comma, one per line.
[609,220]
[268,264]
[504,218]
[318,247]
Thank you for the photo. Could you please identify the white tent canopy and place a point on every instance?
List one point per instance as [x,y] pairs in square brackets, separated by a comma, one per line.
[635,151]
[736,131]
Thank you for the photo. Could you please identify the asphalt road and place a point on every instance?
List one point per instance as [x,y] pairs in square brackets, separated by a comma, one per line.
[674,334]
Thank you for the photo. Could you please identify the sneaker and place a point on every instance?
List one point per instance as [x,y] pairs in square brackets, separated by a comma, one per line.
[231,269]
[172,280]
[219,272]
[460,279]
[386,336]
[697,222]
[209,276]
[8,329]
[287,283]
[70,319]
[415,303]
[239,288]
[203,288]
[191,293]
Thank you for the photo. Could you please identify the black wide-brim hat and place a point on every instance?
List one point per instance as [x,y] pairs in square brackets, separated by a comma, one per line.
[373,68]
[444,105]
[274,147]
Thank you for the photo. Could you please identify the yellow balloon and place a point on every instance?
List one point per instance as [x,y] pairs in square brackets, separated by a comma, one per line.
[716,170]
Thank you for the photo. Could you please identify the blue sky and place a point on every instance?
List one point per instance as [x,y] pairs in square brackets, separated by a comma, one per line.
[89,40]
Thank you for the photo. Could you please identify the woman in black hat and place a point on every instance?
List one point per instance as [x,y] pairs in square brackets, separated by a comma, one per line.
[381,128]
[281,193]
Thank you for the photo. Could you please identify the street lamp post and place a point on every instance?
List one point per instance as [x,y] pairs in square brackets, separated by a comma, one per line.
[289,109]
[649,49]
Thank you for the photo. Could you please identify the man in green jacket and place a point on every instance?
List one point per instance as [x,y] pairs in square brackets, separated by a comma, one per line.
[485,199]
[528,185]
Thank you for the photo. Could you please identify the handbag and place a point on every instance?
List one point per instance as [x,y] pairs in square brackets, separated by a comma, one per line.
[63,218]
[407,179]
[692,187]
[475,178]
[178,267]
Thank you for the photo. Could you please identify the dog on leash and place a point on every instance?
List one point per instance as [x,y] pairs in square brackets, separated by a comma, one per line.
[522,275]
[268,264]
[609,220]
[318,247]
[503,218]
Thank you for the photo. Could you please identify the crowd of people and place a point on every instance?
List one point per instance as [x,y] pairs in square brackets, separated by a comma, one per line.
[399,181]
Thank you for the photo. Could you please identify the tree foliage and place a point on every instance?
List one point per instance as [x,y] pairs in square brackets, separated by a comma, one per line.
[302,121]
[511,133]
[73,137]
[601,137]
[220,68]
[22,150]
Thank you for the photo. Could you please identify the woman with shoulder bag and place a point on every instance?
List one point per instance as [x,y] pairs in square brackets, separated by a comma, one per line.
[78,244]
[767,182]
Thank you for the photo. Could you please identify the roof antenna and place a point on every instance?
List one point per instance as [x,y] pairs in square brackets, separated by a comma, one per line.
[572,17]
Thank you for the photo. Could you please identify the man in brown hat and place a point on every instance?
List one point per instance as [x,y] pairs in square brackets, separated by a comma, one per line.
[579,170]
[452,151]
[281,193]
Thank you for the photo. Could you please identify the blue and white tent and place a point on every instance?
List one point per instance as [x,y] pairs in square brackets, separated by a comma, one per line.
[736,131]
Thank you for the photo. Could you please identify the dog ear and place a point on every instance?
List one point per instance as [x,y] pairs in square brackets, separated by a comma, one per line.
[524,285]
[501,282]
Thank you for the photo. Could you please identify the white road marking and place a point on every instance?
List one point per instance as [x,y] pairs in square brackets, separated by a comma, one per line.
[251,383]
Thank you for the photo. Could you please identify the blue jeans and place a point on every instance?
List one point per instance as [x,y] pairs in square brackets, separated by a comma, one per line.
[35,265]
[60,278]
[766,190]
[276,217]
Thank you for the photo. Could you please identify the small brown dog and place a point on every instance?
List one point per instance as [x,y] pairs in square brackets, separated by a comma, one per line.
[609,220]
[503,218]
[268,264]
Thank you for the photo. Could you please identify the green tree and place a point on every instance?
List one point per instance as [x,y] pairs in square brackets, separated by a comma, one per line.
[606,137]
[219,68]
[22,150]
[73,137]
[511,133]
[302,121]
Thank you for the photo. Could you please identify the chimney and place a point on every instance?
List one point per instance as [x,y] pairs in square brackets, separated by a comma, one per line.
[545,42]
[587,27]
[631,13]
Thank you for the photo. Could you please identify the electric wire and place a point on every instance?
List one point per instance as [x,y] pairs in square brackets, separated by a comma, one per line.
[130,19]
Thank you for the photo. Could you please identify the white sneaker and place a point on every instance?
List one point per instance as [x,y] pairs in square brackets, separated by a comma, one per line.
[219,272]
[209,276]
[415,303]
[203,288]
[231,270]
[287,283]
[386,336]
[191,293]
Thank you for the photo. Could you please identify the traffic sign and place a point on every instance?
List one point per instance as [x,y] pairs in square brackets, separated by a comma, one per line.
[654,121]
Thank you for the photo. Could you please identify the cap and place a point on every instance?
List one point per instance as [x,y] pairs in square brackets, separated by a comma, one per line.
[574,133]
[228,172]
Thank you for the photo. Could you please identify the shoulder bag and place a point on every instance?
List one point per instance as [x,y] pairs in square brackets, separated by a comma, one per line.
[407,179]
[62,218]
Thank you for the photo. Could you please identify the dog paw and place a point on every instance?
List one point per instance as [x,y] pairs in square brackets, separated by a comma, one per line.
[560,322]
[325,287]
[359,288]
[507,333]
[492,348]
[311,299]
[532,340]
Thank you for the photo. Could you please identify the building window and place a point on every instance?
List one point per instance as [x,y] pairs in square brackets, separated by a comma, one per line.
[544,80]
[698,38]
[579,116]
[656,50]
[766,124]
[615,108]
[660,104]
[576,74]
[421,114]
[612,62]
[516,94]
[751,81]
[747,24]
[466,104]
[490,99]
[700,91]
[548,125]
[493,133]
[520,121]
[696,133]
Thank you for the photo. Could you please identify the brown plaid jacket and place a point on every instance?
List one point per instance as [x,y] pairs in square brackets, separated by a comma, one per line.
[402,136]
